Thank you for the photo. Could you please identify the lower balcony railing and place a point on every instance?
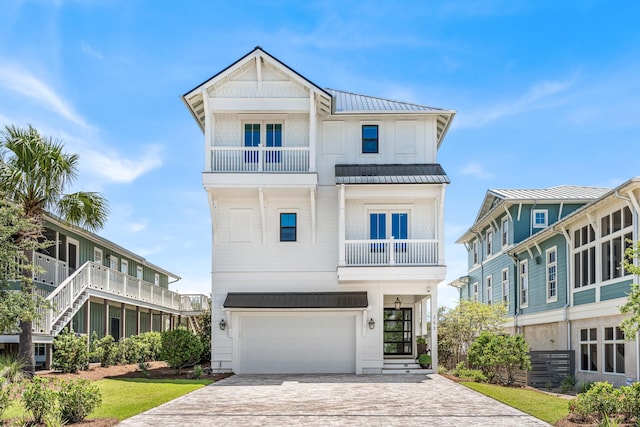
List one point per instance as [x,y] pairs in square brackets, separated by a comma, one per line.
[389,252]
[259,159]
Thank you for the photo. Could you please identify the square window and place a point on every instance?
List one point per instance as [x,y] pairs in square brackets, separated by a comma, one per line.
[370,139]
[288,227]
[539,218]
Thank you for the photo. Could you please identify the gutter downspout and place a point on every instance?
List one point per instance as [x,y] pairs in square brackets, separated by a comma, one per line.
[516,306]
[568,296]
[634,203]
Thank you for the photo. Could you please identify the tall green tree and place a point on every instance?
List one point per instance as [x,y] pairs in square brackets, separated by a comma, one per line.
[631,325]
[459,326]
[14,264]
[34,173]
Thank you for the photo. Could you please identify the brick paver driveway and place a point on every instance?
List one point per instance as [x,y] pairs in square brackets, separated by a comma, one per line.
[334,400]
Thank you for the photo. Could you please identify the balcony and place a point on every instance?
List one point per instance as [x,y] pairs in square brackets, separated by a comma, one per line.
[260,159]
[391,252]
[391,260]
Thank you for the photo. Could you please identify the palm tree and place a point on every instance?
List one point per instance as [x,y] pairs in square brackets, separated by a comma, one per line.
[34,173]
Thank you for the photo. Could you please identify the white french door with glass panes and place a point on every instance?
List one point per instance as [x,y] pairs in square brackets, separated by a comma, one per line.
[263,134]
[387,225]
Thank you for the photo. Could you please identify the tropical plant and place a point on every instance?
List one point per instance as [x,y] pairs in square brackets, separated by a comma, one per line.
[204,333]
[180,348]
[40,399]
[34,173]
[107,351]
[11,369]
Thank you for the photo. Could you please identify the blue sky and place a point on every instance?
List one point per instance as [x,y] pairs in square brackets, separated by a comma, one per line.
[547,93]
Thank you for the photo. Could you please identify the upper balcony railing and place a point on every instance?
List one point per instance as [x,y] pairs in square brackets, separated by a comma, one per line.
[260,159]
[49,270]
[391,252]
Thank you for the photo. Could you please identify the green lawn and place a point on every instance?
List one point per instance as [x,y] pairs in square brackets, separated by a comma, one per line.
[542,406]
[118,396]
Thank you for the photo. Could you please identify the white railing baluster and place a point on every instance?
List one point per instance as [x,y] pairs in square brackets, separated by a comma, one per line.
[391,252]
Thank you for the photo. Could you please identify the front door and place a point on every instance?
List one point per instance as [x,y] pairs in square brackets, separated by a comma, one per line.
[72,254]
[115,328]
[398,332]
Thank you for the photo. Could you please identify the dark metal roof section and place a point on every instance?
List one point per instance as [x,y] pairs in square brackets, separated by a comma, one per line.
[431,173]
[296,300]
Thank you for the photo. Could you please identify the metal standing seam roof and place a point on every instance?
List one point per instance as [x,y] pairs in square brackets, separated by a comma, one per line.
[346,102]
[296,300]
[431,173]
[562,192]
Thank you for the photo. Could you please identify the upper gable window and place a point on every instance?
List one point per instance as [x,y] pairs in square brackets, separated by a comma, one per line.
[489,242]
[505,231]
[539,218]
[370,139]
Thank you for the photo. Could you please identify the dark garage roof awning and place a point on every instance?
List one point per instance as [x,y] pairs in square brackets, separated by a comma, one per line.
[431,173]
[296,300]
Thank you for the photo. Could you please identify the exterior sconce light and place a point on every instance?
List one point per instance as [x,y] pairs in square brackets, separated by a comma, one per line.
[398,303]
[372,323]
[222,324]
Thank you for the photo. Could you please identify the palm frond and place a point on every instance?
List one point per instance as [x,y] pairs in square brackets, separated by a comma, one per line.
[88,210]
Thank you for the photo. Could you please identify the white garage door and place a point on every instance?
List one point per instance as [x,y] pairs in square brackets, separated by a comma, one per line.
[297,344]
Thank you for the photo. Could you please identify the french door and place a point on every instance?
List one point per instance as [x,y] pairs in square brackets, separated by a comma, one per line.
[398,331]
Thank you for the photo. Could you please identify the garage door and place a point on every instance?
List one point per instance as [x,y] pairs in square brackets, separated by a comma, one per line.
[297,344]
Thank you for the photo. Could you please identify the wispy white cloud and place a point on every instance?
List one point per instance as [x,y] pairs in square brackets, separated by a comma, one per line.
[116,168]
[476,170]
[531,99]
[89,50]
[18,79]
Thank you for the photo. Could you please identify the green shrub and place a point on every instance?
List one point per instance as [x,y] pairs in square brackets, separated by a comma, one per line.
[70,352]
[197,372]
[107,351]
[599,401]
[424,359]
[78,398]
[568,383]
[4,397]
[464,373]
[40,399]
[496,354]
[152,344]
[180,348]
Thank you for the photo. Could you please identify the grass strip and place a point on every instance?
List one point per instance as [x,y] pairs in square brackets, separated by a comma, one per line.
[542,406]
[124,398]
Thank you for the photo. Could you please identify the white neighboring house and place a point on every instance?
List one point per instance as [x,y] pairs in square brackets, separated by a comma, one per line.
[327,215]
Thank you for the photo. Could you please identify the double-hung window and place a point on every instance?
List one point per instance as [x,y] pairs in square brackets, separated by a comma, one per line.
[524,283]
[370,143]
[474,250]
[552,274]
[589,349]
[97,255]
[505,286]
[616,231]
[288,227]
[489,290]
[475,291]
[613,350]
[489,237]
[505,231]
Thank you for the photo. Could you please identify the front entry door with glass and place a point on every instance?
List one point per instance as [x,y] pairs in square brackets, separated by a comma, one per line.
[398,332]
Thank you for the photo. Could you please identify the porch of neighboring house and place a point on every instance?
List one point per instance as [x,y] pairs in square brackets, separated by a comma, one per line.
[97,298]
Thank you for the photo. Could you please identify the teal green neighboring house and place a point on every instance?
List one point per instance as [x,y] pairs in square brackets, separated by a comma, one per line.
[554,256]
[95,285]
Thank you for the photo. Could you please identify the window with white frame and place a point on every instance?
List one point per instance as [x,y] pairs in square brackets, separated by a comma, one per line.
[263,134]
[505,286]
[552,274]
[156,279]
[475,291]
[489,240]
[489,282]
[589,349]
[616,231]
[113,262]
[505,231]
[539,218]
[139,272]
[474,251]
[614,350]
[97,255]
[584,256]
[124,266]
[524,283]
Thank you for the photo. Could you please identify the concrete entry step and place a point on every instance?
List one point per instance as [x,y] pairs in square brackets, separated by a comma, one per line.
[418,371]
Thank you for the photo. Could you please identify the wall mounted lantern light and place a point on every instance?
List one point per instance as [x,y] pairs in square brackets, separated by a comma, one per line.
[398,303]
[222,324]
[372,323]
